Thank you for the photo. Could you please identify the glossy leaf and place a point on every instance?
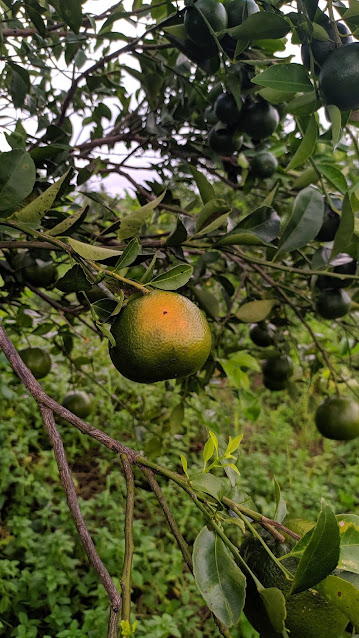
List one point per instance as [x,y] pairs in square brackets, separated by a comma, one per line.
[281,507]
[343,595]
[307,145]
[95,253]
[71,222]
[346,228]
[17,178]
[321,555]
[336,120]
[219,579]
[334,176]
[129,254]
[178,235]
[209,484]
[208,302]
[258,228]
[132,224]
[255,311]
[35,211]
[206,189]
[285,77]
[305,222]
[174,278]
[74,280]
[260,26]
[274,603]
[210,213]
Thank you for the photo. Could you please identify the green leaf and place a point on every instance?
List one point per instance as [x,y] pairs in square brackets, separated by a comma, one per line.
[174,278]
[260,26]
[72,221]
[349,542]
[255,311]
[304,104]
[178,235]
[305,222]
[207,452]
[74,280]
[321,555]
[274,603]
[129,254]
[334,176]
[19,86]
[211,212]
[184,464]
[209,484]
[335,117]
[71,12]
[307,145]
[290,78]
[95,253]
[205,188]
[219,579]
[132,224]
[281,508]
[234,444]
[345,231]
[35,211]
[342,595]
[176,419]
[258,228]
[17,178]
[208,302]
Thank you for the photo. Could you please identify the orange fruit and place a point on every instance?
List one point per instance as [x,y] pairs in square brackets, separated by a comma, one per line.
[160,335]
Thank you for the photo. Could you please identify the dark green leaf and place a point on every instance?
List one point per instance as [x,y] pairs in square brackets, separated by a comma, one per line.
[305,222]
[17,178]
[259,26]
[212,215]
[218,578]
[132,224]
[71,12]
[260,227]
[208,302]
[346,228]
[178,235]
[174,278]
[334,176]
[321,555]
[74,280]
[274,603]
[129,254]
[285,77]
[307,145]
[95,253]
[205,188]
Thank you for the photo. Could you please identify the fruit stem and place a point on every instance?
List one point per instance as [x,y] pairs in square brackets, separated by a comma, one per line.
[110,273]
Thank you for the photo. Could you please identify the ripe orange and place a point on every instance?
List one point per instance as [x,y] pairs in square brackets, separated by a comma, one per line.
[160,335]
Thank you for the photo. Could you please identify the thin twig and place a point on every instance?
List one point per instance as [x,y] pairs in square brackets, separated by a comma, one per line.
[129,545]
[71,497]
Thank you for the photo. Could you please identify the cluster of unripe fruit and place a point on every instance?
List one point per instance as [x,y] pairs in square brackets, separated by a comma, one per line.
[331,301]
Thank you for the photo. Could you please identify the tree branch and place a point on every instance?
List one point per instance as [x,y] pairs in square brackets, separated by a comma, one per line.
[71,497]
[129,545]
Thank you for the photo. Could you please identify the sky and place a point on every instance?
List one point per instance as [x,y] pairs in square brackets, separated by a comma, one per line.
[115,184]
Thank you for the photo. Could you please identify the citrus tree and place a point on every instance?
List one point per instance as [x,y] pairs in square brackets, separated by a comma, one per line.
[251,223]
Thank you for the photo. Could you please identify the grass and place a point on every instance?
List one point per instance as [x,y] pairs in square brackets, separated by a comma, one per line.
[47,589]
